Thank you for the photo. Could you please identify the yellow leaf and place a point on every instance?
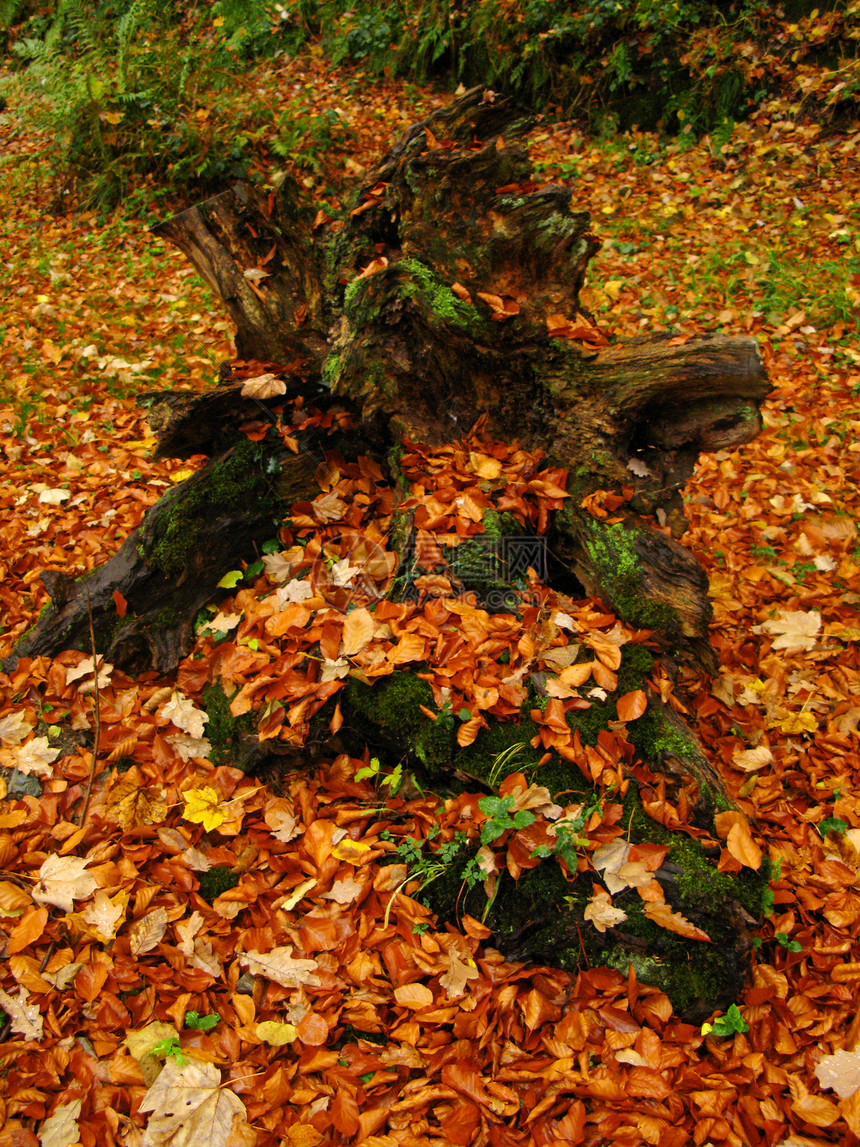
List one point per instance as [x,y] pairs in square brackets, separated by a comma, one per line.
[112,117]
[181,475]
[202,807]
[484,465]
[613,289]
[352,851]
[218,22]
[798,723]
[276,1033]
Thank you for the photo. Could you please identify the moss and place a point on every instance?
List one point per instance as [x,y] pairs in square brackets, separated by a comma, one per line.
[224,731]
[392,705]
[236,482]
[217,880]
[480,563]
[613,553]
[439,296]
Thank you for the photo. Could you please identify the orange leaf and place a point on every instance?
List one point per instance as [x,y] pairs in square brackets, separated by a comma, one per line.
[358,631]
[469,730]
[742,847]
[120,603]
[28,929]
[312,1029]
[414,996]
[344,1112]
[663,915]
[632,705]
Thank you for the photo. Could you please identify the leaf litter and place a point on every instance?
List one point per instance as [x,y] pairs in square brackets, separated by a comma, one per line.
[388,1031]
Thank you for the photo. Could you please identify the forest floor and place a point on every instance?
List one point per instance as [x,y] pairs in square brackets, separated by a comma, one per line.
[106,932]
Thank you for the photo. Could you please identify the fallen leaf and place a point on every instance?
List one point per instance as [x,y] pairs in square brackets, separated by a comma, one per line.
[60,1129]
[413,996]
[841,1072]
[190,1106]
[601,913]
[62,880]
[25,1017]
[282,967]
[276,1033]
[203,806]
[148,932]
[662,914]
[793,630]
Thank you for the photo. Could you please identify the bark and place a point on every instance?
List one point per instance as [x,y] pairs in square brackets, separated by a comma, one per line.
[450,292]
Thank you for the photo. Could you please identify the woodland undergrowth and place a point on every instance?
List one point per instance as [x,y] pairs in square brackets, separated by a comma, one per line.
[248,938]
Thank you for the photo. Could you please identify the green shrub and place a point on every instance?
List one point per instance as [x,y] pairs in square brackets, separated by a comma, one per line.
[132,92]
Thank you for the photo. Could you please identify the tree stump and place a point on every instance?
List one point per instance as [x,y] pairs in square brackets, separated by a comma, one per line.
[448,293]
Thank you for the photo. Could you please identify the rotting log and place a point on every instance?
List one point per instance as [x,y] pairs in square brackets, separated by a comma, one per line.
[450,292]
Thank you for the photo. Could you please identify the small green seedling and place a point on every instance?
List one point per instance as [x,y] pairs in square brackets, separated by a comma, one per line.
[499,810]
[201,1023]
[393,781]
[725,1026]
[789,945]
[168,1048]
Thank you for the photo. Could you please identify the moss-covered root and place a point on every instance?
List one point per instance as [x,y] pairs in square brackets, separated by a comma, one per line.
[649,580]
[541,918]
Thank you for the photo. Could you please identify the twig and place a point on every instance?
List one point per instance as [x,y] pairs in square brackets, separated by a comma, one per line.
[86,804]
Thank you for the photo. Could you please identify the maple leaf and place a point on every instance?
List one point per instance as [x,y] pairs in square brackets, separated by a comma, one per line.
[601,913]
[133,806]
[793,630]
[190,1106]
[61,1127]
[202,806]
[14,728]
[25,1017]
[282,967]
[62,880]
[841,1072]
[35,756]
